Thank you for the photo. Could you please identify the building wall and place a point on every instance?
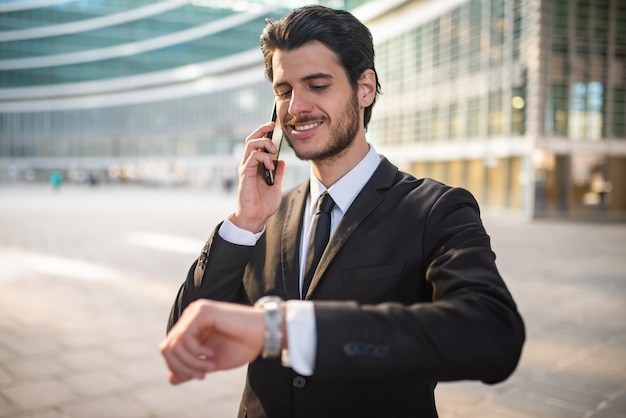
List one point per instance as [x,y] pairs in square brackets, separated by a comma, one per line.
[450,72]
[616,176]
[523,102]
[507,98]
[583,80]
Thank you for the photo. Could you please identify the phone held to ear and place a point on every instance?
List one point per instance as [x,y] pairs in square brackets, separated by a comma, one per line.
[277,138]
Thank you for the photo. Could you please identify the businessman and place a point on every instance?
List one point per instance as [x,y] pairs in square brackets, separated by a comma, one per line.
[353,294]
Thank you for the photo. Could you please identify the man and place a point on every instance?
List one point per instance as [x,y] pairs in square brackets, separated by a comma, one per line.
[406,292]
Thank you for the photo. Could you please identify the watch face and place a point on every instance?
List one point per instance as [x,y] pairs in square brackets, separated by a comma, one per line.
[268,299]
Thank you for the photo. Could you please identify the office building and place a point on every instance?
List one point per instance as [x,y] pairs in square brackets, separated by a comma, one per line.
[523,102]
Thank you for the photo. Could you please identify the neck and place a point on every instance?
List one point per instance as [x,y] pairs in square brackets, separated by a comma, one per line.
[329,170]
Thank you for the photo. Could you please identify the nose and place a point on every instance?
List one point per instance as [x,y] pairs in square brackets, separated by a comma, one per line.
[299,104]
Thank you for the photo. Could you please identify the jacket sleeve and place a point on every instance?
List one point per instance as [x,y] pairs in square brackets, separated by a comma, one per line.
[471,328]
[216,274]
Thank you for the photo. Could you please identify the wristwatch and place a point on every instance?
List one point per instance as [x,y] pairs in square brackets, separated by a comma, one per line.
[273,326]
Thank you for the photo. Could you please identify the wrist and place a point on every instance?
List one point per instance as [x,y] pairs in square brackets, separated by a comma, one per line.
[252,225]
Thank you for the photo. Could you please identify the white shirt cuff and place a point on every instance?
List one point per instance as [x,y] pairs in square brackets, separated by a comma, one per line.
[301,337]
[235,235]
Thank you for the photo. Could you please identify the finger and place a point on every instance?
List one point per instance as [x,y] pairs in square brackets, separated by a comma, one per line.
[261,131]
[259,138]
[255,159]
[181,367]
[178,372]
[175,379]
[183,343]
[280,171]
[185,356]
[261,144]
[193,354]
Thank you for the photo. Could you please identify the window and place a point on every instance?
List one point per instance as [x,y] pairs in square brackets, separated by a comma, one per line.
[558,120]
[454,122]
[473,118]
[518,113]
[585,110]
[496,115]
[475,35]
[619,113]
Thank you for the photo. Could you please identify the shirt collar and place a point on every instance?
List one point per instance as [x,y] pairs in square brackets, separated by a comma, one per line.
[345,190]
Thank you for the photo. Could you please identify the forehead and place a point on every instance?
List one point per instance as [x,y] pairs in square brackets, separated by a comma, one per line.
[303,62]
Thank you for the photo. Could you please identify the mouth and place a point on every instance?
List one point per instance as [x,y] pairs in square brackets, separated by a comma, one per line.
[307,127]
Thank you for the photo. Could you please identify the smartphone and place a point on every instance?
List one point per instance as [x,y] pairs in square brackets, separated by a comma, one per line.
[277,138]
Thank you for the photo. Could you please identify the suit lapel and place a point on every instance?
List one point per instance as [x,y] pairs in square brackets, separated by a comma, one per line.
[290,242]
[367,200]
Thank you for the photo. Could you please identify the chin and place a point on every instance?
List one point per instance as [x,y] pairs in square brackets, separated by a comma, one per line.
[301,151]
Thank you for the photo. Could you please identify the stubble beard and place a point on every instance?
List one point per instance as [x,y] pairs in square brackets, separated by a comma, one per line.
[342,136]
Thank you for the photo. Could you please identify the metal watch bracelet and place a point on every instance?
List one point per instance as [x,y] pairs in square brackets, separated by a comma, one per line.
[273,318]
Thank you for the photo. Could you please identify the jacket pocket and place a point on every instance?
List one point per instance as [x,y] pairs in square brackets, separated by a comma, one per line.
[376,273]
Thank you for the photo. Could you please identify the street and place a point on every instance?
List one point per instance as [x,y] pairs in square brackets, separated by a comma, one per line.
[89,273]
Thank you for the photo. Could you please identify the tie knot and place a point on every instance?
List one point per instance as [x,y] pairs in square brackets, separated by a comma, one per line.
[325,203]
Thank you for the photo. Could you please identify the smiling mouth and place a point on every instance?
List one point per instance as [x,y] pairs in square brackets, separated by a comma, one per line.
[301,128]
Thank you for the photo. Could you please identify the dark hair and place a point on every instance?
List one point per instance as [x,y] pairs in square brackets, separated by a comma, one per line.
[339,30]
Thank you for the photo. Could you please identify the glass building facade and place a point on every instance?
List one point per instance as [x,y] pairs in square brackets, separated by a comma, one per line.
[520,101]
[523,102]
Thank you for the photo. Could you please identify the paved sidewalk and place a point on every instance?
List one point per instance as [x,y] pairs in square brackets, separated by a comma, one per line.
[88,276]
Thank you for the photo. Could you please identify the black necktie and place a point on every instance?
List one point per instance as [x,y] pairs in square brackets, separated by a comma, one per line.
[320,233]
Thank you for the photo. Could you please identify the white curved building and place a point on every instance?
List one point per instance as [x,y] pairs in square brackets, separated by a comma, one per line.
[521,101]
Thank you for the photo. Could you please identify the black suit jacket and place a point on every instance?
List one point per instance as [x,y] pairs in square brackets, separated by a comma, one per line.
[407,294]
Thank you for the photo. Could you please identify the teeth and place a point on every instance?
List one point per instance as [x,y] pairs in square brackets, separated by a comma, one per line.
[306,127]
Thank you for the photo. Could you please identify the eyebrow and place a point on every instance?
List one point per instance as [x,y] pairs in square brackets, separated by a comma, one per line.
[309,77]
[315,76]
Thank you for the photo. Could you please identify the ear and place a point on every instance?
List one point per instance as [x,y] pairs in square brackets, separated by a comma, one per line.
[367,88]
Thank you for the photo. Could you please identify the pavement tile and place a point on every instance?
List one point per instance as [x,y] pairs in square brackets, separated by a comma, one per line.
[4,376]
[7,407]
[161,399]
[78,338]
[134,348]
[48,413]
[543,353]
[97,382]
[613,409]
[42,393]
[6,354]
[34,367]
[535,404]
[142,371]
[27,344]
[579,398]
[573,380]
[488,410]
[87,359]
[117,406]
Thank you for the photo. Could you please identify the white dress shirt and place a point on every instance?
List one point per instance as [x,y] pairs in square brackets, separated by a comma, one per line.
[300,315]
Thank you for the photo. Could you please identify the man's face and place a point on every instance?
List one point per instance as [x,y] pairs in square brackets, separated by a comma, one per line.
[316,103]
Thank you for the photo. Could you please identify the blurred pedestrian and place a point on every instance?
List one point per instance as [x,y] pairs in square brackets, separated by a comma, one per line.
[56,178]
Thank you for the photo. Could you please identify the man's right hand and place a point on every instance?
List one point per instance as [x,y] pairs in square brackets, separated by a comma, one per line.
[256,201]
[212,336]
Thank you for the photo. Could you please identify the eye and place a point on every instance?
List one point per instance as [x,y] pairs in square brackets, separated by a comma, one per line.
[319,87]
[283,94]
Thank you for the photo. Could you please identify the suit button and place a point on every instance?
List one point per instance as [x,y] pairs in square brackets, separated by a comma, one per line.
[299,382]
